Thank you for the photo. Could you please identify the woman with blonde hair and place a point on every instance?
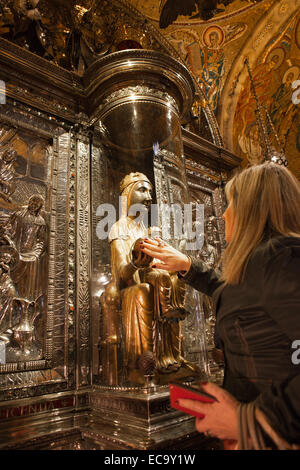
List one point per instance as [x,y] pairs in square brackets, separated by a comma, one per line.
[257,301]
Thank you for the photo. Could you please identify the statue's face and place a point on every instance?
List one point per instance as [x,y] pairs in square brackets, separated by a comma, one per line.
[142,194]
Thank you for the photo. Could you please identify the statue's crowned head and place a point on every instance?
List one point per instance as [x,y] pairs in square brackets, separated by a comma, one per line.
[129,180]
[131,184]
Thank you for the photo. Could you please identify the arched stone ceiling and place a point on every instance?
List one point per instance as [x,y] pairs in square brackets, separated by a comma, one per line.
[212,41]
[215,51]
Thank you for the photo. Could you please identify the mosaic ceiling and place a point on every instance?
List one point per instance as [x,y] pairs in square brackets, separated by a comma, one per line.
[212,37]
[167,12]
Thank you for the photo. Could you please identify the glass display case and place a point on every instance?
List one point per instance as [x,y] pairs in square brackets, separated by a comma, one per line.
[139,124]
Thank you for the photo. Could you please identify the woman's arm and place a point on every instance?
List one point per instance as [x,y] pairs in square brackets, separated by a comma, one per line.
[201,277]
[190,269]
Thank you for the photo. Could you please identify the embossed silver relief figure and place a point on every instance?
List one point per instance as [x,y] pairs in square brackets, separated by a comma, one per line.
[200,324]
[24,236]
[8,159]
[209,256]
[28,232]
[8,259]
[209,253]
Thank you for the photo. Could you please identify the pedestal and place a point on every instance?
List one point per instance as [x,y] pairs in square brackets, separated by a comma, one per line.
[141,419]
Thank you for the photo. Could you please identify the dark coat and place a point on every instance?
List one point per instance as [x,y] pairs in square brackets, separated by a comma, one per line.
[258,322]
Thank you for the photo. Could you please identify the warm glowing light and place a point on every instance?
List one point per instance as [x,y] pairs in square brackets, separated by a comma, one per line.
[99,293]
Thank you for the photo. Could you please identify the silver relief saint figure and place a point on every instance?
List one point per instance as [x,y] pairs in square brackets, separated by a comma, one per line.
[27,231]
[8,260]
[8,159]
[21,289]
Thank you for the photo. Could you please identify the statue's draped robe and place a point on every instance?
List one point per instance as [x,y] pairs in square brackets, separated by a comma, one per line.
[28,233]
[145,327]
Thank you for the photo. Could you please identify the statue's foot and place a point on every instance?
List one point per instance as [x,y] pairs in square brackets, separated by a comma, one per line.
[190,366]
[164,377]
[172,367]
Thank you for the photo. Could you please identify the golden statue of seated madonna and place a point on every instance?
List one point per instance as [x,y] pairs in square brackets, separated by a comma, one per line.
[142,306]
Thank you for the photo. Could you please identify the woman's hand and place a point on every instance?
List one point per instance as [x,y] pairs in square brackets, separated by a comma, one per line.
[220,418]
[171,259]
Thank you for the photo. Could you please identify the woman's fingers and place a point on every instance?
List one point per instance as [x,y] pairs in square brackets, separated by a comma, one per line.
[151,246]
[201,425]
[150,241]
[213,389]
[160,242]
[152,252]
[156,242]
[193,405]
[162,266]
[173,259]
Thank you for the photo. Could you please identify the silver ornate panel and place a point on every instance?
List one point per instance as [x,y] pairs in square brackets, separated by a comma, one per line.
[101,192]
[205,187]
[52,368]
[195,183]
[83,254]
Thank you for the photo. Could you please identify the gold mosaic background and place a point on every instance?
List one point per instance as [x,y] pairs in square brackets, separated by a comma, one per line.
[215,51]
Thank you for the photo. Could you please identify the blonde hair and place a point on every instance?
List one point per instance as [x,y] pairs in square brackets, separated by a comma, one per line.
[266,202]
